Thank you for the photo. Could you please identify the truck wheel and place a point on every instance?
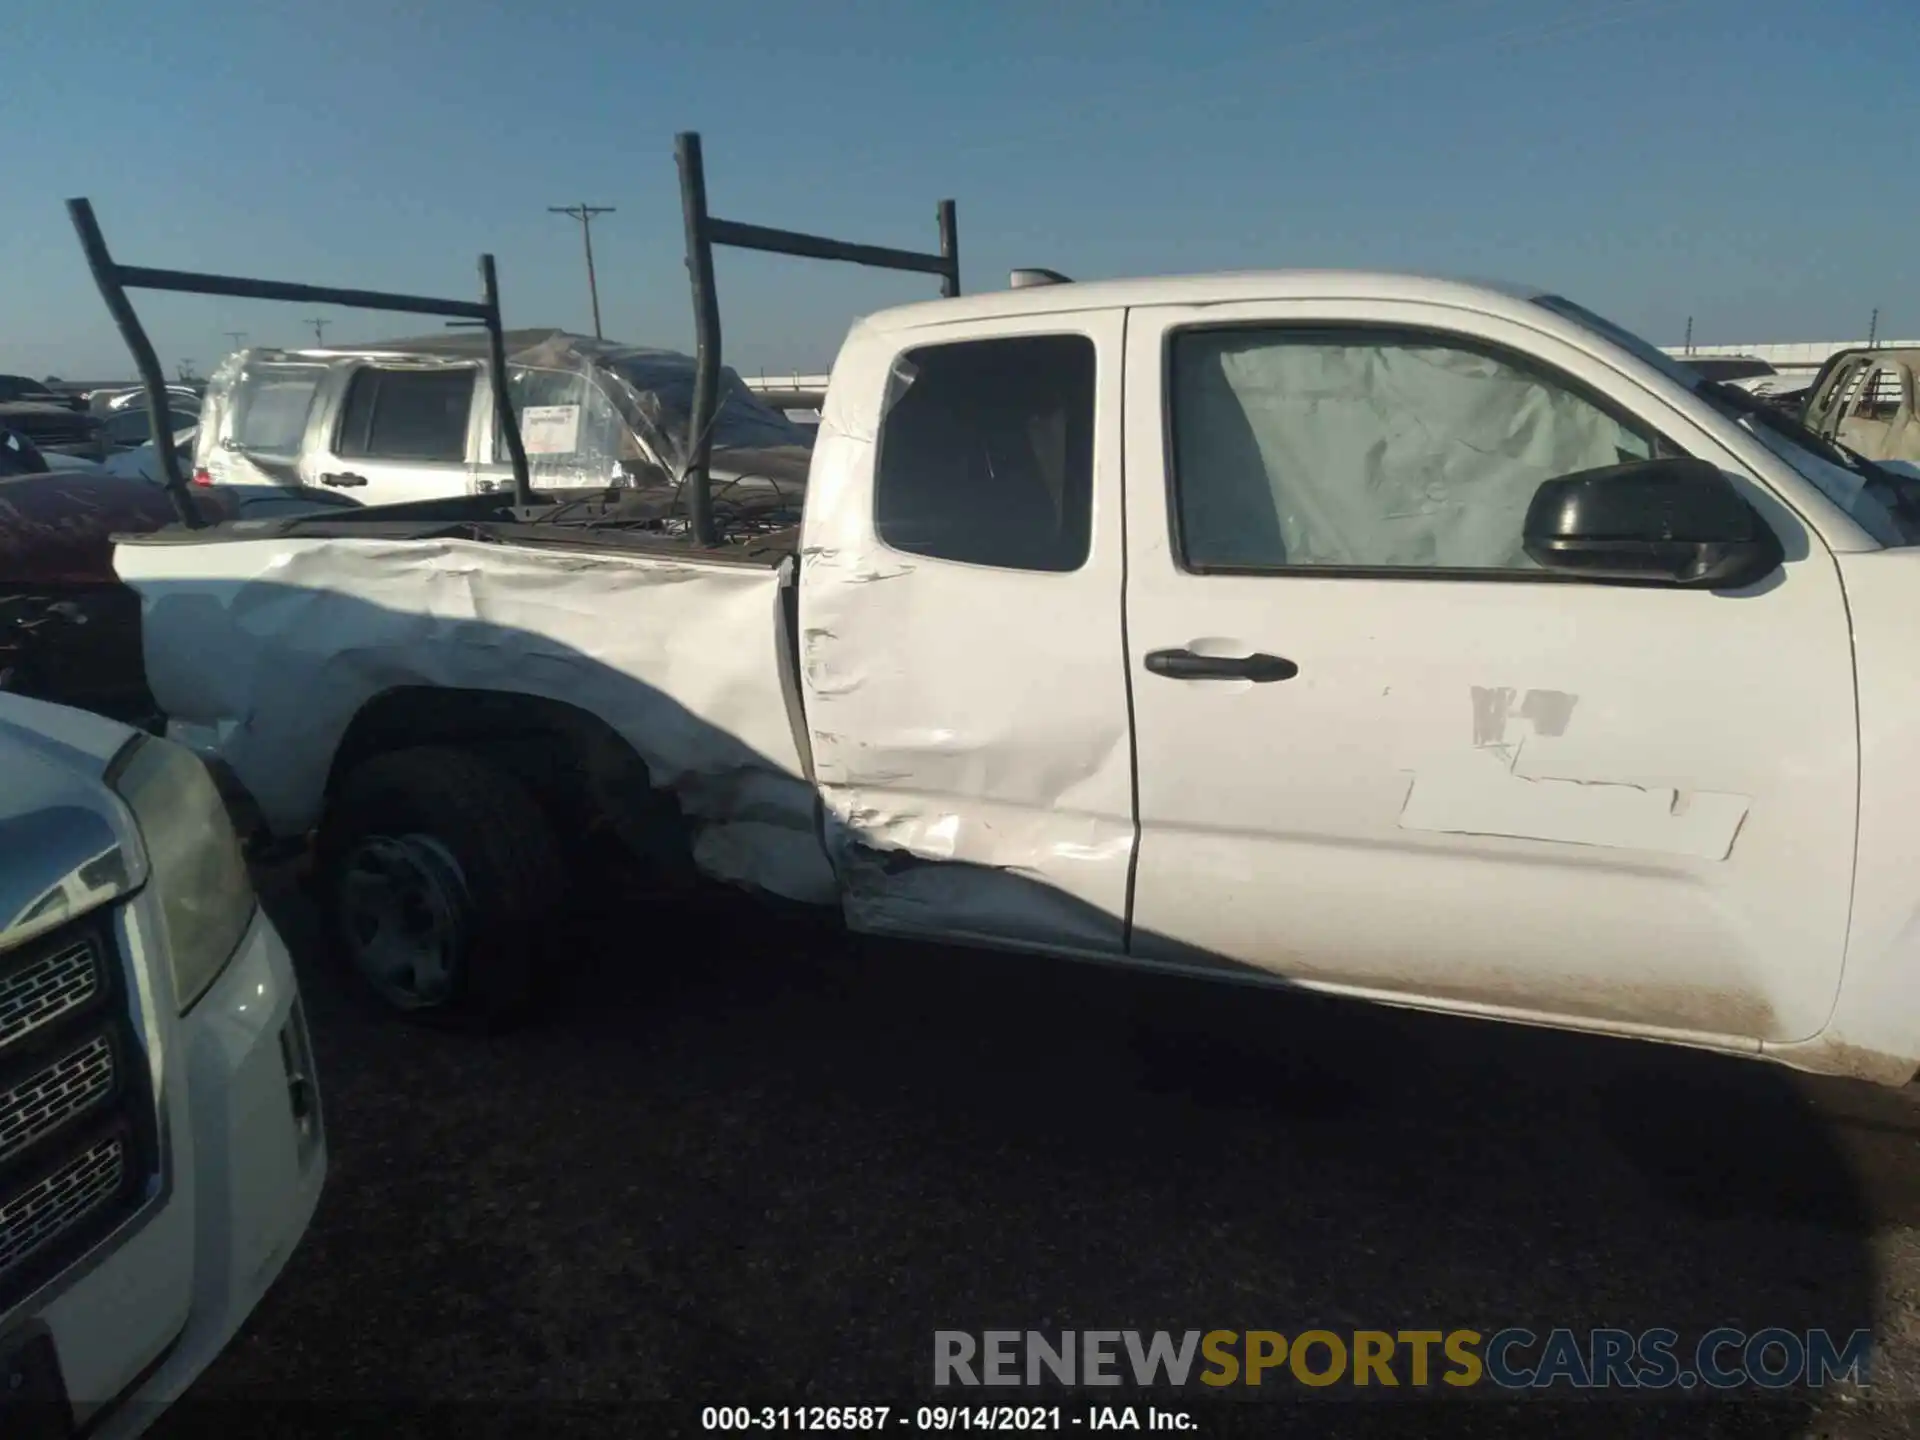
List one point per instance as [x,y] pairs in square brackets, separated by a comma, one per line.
[437,870]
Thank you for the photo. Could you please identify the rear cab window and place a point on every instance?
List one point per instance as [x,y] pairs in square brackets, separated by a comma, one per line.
[986,453]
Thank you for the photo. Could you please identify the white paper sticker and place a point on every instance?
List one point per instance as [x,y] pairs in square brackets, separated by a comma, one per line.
[550,429]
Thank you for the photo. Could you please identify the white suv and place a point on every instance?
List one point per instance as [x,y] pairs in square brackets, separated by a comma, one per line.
[161,1147]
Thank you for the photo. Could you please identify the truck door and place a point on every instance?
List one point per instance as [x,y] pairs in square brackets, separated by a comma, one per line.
[399,432]
[1459,782]
[962,666]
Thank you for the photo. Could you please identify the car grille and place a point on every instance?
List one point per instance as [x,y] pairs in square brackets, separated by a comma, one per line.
[78,1135]
[56,1202]
[45,990]
[71,1086]
[55,428]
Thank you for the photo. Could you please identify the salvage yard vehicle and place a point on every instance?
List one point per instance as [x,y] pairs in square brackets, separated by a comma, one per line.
[1865,399]
[112,402]
[1753,375]
[69,629]
[132,425]
[413,419]
[1427,643]
[161,1142]
[56,428]
[19,388]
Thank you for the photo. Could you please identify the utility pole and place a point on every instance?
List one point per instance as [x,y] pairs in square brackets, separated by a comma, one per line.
[238,337]
[319,324]
[584,213]
[1873,327]
[1689,349]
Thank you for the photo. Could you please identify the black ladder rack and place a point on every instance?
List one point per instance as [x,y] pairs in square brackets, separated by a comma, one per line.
[115,279]
[703,233]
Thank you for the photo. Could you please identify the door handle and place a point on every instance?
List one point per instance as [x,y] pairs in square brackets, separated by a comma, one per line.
[1185,665]
[343,480]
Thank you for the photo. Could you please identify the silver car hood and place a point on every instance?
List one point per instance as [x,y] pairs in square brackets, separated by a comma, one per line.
[66,845]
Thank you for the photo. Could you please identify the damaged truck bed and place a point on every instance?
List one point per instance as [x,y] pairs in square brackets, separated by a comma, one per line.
[315,627]
[1426,643]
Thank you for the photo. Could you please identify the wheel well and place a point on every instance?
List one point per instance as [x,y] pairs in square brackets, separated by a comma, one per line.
[585,774]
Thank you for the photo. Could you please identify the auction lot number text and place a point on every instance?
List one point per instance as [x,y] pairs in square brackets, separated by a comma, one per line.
[877,1417]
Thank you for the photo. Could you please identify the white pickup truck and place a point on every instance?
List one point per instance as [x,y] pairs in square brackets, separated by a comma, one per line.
[1435,644]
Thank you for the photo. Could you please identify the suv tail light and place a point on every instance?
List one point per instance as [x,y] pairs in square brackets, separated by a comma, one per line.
[202,477]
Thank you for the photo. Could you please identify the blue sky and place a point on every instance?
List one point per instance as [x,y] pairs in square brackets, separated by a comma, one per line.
[1745,162]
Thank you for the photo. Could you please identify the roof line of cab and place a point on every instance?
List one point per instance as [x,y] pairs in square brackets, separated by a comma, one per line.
[1205,289]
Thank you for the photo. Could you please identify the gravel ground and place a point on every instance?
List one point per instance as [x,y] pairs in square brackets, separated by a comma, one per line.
[749,1162]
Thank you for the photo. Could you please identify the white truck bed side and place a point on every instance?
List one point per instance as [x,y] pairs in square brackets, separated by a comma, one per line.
[262,651]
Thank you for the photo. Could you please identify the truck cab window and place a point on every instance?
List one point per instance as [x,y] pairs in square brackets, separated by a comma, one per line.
[986,453]
[407,415]
[1309,448]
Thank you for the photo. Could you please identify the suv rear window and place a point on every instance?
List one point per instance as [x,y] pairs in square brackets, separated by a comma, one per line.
[407,415]
[270,409]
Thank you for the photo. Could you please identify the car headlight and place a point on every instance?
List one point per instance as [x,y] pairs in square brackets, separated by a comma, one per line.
[197,871]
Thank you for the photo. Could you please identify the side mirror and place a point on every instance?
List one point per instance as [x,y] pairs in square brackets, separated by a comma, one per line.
[1674,522]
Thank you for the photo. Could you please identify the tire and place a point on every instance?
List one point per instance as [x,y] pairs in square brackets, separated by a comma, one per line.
[437,874]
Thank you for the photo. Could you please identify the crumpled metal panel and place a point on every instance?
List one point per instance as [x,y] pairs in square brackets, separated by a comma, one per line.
[265,650]
[968,725]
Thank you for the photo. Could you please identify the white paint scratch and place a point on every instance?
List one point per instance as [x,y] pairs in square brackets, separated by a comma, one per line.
[1481,793]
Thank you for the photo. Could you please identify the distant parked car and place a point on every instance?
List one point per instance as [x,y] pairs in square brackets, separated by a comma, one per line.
[55,427]
[226,502]
[1865,399]
[1753,375]
[69,630]
[23,388]
[131,425]
[126,397]
[1728,367]
[415,420]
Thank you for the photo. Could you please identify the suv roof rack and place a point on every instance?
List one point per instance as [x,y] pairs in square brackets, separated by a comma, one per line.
[115,279]
[704,232]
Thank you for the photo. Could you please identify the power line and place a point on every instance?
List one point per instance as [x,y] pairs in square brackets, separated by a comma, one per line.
[584,213]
